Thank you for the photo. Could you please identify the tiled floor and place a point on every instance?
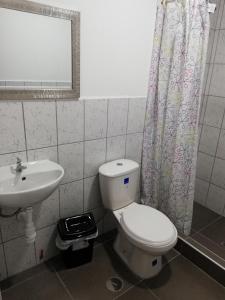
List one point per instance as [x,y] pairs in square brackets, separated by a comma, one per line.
[179,280]
[208,233]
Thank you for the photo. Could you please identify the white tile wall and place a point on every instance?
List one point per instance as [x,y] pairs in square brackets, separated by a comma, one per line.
[204,166]
[116,147]
[71,199]
[216,199]
[210,182]
[95,119]
[209,139]
[50,153]
[117,117]
[95,155]
[12,129]
[45,243]
[70,118]
[92,197]
[134,146]
[71,159]
[19,256]
[3,271]
[201,191]
[80,136]
[136,115]
[40,124]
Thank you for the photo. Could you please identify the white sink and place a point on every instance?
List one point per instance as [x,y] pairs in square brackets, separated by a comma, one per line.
[34,184]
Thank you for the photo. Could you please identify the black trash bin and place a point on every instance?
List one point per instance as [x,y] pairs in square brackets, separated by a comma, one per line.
[75,239]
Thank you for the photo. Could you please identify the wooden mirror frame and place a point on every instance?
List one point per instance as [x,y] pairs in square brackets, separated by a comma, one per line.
[55,12]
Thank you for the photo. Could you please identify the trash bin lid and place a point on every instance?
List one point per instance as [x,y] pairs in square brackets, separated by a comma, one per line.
[77,227]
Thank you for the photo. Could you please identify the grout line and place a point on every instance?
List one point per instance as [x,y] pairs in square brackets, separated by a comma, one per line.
[128,111]
[22,235]
[107,126]
[57,131]
[5,262]
[75,142]
[64,286]
[24,128]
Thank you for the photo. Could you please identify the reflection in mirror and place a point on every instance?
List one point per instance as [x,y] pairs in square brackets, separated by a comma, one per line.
[40,51]
[35,51]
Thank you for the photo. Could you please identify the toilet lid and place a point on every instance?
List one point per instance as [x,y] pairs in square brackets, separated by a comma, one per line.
[148,225]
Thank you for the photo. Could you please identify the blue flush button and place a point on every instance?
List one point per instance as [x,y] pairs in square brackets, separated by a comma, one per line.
[126,180]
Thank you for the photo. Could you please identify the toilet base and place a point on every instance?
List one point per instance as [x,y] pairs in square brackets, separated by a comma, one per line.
[138,261]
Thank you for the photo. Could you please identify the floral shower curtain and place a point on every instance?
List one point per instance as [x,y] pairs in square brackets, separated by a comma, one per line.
[171,126]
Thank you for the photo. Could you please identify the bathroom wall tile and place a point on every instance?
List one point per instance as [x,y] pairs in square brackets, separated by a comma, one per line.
[210,45]
[19,256]
[95,155]
[221,145]
[216,17]
[207,78]
[214,48]
[223,124]
[11,228]
[117,117]
[209,139]
[217,87]
[47,212]
[220,52]
[43,153]
[199,132]
[71,199]
[10,159]
[71,159]
[40,124]
[214,111]
[12,128]
[95,119]
[116,147]
[45,243]
[109,222]
[99,217]
[134,146]
[216,199]
[204,166]
[222,25]
[203,108]
[218,175]
[201,191]
[70,118]
[136,115]
[92,196]
[3,271]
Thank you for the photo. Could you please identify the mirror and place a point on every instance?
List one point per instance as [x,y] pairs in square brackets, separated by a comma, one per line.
[40,51]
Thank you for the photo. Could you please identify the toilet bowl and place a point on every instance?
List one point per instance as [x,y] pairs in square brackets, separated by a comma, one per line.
[145,234]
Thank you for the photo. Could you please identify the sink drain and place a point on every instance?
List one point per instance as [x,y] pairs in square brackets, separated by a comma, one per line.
[114,284]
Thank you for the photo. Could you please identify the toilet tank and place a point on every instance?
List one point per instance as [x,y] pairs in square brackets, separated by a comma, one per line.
[119,181]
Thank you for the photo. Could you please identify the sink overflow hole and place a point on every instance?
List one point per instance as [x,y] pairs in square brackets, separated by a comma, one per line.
[24,178]
[114,284]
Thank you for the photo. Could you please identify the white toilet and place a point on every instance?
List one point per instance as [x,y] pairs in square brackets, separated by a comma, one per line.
[145,234]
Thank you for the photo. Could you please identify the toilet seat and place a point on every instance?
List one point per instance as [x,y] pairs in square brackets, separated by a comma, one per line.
[148,228]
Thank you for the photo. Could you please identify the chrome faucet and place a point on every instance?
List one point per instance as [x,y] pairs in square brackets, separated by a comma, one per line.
[19,167]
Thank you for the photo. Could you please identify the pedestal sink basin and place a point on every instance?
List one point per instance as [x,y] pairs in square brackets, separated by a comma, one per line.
[34,184]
